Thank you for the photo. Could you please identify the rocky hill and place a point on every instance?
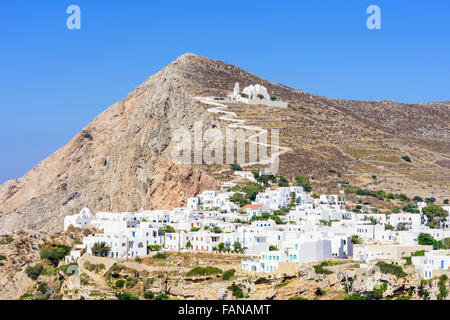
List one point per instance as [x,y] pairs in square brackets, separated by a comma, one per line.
[178,275]
[121,160]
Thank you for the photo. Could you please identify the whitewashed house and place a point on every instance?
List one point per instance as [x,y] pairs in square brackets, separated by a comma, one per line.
[81,220]
[432,262]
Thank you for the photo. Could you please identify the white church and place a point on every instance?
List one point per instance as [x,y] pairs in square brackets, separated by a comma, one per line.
[255,94]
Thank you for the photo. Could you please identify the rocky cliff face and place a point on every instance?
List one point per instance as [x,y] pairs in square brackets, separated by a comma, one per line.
[121,160]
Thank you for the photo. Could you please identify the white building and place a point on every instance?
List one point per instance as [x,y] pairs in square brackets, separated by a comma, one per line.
[431,262]
[255,94]
[81,220]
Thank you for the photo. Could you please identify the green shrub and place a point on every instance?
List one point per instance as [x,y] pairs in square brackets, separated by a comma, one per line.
[391,268]
[331,263]
[113,272]
[302,181]
[236,291]
[120,283]
[228,274]
[33,272]
[89,266]
[138,260]
[320,270]
[152,247]
[54,254]
[126,296]
[42,288]
[200,271]
[149,295]
[443,291]
[130,282]
[7,239]
[160,255]
[162,296]
[235,167]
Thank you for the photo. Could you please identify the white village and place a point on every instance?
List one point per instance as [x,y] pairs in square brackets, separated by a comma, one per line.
[280,230]
[276,227]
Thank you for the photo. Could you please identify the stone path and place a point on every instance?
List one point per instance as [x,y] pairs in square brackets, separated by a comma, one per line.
[240,124]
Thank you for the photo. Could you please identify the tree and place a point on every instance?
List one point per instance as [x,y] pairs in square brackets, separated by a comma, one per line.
[445,201]
[273,248]
[435,214]
[417,199]
[237,247]
[239,199]
[446,244]
[282,182]
[169,229]
[100,249]
[255,173]
[425,239]
[430,200]
[53,255]
[293,197]
[260,96]
[356,239]
[302,181]
[33,272]
[221,247]
[251,190]
[188,244]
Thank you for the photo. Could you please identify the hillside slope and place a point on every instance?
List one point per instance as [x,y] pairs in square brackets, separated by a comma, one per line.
[121,160]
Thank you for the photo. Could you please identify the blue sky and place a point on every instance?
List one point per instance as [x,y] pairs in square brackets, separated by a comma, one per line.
[54,81]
